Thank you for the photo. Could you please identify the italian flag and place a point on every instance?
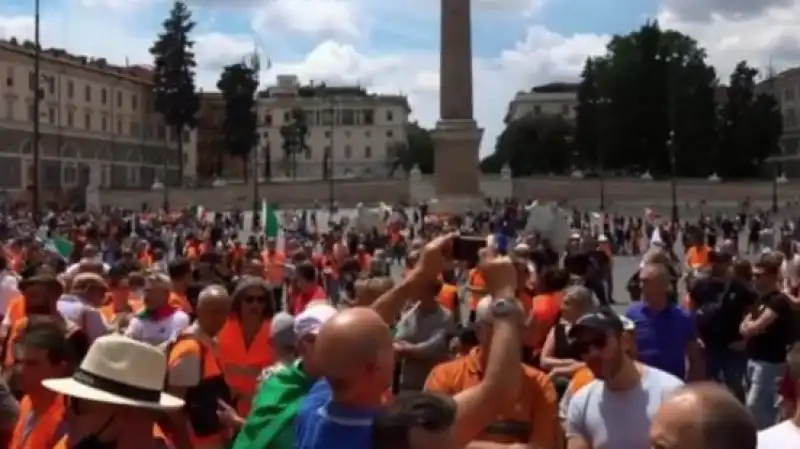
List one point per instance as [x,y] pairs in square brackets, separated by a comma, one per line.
[269,219]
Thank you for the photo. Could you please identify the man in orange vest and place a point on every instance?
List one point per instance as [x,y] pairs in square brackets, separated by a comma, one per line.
[43,354]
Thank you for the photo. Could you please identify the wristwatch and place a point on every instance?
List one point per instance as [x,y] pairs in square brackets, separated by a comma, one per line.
[502,307]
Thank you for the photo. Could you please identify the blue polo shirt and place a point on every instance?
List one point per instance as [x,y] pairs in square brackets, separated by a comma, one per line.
[323,424]
[661,337]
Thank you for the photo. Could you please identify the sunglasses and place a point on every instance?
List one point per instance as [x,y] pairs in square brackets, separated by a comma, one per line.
[251,299]
[582,346]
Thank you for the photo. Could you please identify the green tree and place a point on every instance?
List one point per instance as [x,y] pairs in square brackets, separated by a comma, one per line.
[417,151]
[750,125]
[653,82]
[586,118]
[294,135]
[532,144]
[239,84]
[173,75]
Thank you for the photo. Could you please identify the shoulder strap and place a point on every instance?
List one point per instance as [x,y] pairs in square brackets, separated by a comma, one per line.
[184,336]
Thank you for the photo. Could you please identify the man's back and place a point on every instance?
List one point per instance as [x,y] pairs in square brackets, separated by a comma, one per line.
[321,424]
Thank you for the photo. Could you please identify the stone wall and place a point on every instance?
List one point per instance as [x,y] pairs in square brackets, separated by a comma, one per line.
[581,192]
[297,194]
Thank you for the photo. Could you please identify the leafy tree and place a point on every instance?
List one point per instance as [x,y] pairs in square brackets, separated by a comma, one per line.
[654,82]
[586,118]
[750,125]
[532,144]
[173,75]
[294,135]
[417,151]
[238,84]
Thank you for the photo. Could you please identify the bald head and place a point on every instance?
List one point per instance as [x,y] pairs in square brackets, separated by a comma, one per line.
[704,416]
[213,293]
[349,341]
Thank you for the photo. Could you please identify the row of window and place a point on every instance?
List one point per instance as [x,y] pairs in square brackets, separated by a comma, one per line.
[330,117]
[565,110]
[92,121]
[48,85]
[348,152]
[347,134]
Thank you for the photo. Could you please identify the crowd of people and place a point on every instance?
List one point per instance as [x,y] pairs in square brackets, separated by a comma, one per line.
[165,331]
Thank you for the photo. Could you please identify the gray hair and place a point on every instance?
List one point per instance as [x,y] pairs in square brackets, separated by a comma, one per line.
[659,268]
[579,295]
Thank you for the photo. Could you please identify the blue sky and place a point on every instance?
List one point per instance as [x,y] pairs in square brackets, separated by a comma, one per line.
[391,45]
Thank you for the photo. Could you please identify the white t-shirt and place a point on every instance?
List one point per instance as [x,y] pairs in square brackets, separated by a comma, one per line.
[779,436]
[82,314]
[8,289]
[157,332]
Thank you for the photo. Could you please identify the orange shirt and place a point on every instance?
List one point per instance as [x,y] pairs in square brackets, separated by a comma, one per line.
[580,379]
[243,364]
[697,256]
[273,266]
[109,312]
[448,297]
[475,281]
[39,430]
[180,301]
[545,310]
[533,418]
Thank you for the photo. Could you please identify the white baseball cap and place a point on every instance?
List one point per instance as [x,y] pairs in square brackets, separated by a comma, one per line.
[309,321]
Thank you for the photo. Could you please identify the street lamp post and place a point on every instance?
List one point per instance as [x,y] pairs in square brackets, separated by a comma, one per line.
[255,174]
[165,183]
[603,102]
[331,173]
[673,176]
[775,175]
[37,92]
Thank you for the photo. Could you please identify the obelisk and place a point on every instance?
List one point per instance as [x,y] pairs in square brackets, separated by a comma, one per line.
[457,136]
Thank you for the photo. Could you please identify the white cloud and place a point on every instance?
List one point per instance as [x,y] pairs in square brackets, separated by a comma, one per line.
[769,36]
[315,17]
[343,53]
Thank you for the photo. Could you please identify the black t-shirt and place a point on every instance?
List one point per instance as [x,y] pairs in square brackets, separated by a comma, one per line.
[771,345]
[600,259]
[577,264]
[721,306]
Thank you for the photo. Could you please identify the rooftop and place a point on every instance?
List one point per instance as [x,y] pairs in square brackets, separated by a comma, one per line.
[136,73]
[556,88]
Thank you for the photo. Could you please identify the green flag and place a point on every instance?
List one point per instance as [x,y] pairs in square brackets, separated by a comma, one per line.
[269,218]
[275,405]
[59,245]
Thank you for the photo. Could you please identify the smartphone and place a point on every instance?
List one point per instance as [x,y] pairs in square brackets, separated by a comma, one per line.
[466,248]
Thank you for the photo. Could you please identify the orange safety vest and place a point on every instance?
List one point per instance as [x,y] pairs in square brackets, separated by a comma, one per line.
[205,427]
[448,295]
[158,434]
[180,301]
[241,364]
[38,431]
[16,309]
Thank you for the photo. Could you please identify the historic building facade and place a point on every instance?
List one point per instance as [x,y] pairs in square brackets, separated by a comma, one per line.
[93,117]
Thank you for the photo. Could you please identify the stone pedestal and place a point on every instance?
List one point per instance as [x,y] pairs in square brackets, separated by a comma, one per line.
[457,178]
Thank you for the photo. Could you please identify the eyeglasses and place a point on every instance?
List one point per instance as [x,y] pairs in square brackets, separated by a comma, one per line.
[582,346]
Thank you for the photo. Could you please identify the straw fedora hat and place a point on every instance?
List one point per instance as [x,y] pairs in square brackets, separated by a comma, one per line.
[122,371]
